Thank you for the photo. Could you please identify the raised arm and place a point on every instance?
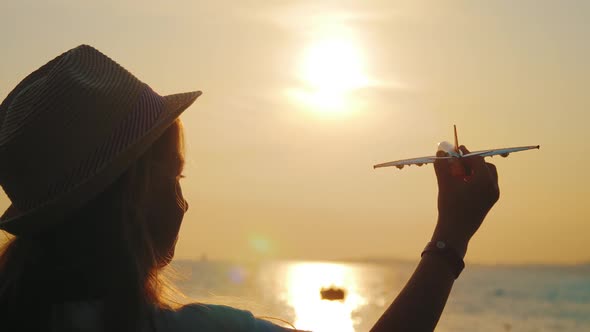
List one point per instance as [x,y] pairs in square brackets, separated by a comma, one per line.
[463,202]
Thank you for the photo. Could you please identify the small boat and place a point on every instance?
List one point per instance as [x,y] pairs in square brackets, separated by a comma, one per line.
[332,293]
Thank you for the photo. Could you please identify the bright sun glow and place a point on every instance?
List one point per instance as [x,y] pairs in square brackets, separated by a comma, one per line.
[331,69]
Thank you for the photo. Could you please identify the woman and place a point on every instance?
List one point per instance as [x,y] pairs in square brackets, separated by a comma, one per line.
[91,158]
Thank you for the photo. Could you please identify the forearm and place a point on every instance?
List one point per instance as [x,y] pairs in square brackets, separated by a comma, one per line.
[419,305]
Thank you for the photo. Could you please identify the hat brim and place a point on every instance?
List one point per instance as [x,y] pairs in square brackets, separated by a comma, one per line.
[52,212]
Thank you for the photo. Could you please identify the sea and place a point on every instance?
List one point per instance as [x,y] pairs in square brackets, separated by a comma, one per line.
[485,298]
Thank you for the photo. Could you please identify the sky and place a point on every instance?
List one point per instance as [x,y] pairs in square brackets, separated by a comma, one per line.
[301,98]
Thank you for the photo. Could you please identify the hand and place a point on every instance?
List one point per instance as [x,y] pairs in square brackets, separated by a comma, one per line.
[467,190]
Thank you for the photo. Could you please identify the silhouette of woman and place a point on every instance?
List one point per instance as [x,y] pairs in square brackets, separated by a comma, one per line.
[91,158]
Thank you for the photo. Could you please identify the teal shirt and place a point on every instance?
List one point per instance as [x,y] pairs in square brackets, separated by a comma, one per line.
[84,316]
[213,318]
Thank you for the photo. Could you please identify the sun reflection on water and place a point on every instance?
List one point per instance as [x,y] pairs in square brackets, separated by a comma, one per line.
[304,282]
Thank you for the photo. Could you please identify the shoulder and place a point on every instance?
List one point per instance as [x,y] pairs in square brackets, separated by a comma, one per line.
[209,317]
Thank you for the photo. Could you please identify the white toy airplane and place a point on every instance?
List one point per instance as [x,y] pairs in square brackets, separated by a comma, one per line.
[454,152]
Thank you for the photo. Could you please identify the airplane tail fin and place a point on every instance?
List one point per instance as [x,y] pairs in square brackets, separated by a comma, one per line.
[456,140]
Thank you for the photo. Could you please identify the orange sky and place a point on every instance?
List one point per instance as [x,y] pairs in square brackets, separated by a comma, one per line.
[300,100]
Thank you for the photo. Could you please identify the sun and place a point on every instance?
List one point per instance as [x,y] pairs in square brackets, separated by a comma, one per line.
[333,65]
[330,70]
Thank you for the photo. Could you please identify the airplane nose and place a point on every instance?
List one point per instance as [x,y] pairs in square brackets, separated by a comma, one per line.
[446,147]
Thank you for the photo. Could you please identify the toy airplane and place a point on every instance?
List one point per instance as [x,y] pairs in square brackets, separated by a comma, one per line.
[454,152]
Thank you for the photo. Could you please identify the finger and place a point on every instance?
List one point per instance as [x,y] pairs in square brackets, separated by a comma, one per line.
[442,168]
[494,175]
[463,149]
[458,168]
[467,168]
[493,171]
[475,163]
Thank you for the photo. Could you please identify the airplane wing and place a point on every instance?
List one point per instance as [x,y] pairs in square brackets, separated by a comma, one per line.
[502,152]
[414,161]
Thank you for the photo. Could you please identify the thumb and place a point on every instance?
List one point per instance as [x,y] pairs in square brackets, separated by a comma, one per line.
[442,168]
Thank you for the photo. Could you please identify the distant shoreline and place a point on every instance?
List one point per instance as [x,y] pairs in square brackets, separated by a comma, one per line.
[384,261]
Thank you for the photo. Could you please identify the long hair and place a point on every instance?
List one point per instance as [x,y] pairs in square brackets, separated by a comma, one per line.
[106,252]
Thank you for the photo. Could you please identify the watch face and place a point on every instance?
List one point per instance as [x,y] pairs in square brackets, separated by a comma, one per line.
[441,249]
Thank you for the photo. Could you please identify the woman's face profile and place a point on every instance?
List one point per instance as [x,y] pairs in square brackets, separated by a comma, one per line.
[166,208]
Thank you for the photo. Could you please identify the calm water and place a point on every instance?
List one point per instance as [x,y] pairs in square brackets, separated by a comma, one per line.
[484,299]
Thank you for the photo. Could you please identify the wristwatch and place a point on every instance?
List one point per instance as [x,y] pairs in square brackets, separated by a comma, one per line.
[446,252]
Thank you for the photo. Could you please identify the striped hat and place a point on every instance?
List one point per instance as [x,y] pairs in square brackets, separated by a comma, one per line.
[69,129]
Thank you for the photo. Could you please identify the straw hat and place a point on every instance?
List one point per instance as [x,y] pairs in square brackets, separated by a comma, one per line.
[69,129]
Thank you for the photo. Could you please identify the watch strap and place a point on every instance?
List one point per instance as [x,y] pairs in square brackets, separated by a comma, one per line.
[450,255]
